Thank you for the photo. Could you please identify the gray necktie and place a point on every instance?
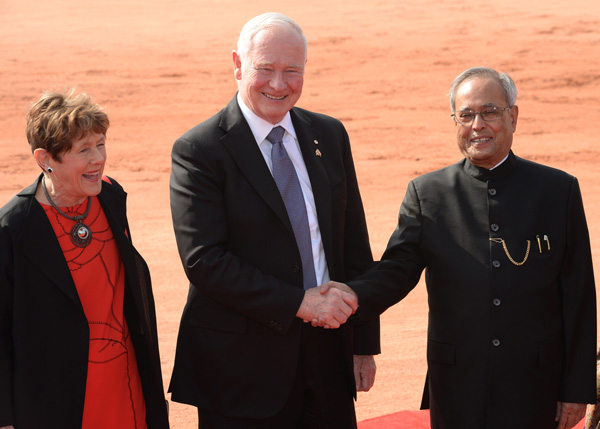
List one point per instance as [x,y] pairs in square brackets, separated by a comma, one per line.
[286,179]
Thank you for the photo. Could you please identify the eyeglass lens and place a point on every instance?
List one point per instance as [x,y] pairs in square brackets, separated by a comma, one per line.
[488,114]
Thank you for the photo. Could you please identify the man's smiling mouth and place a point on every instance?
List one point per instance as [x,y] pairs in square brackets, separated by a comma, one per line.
[271,97]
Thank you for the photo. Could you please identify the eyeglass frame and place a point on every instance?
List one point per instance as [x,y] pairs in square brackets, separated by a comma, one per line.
[459,122]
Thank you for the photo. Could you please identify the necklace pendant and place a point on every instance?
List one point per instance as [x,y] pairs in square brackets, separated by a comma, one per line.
[81,235]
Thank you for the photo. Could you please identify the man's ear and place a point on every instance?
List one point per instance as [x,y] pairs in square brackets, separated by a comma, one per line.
[237,65]
[514,115]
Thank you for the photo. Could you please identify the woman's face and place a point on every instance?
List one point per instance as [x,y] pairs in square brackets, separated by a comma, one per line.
[78,174]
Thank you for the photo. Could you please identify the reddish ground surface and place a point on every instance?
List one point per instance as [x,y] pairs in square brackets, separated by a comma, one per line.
[382,67]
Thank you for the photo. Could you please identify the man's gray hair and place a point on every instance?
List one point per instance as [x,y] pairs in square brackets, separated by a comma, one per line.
[508,85]
[260,22]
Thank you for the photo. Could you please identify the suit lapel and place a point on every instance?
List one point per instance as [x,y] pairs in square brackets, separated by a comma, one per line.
[242,147]
[49,256]
[240,143]
[113,203]
[319,180]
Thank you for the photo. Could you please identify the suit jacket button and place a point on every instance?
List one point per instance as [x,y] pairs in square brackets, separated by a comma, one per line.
[296,268]
[492,191]
[495,342]
[495,227]
[496,264]
[496,302]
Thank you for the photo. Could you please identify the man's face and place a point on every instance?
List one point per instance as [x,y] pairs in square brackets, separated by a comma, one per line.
[271,74]
[483,143]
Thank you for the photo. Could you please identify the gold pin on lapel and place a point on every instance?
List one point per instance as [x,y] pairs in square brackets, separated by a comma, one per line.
[318,152]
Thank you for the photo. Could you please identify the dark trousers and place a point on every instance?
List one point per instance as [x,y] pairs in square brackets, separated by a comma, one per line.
[321,397]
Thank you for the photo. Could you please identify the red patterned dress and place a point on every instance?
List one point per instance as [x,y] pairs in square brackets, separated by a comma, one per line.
[113,397]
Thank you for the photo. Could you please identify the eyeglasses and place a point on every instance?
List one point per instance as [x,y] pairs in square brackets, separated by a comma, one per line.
[489,114]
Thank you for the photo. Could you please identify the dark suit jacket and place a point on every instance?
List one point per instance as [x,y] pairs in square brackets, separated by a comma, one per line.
[238,345]
[44,334]
[505,342]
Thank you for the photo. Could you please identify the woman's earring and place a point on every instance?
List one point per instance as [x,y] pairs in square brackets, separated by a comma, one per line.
[50,170]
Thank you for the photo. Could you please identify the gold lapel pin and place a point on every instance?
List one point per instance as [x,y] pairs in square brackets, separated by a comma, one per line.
[318,152]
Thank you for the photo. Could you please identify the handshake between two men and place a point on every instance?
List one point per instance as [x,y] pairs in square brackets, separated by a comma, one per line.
[328,306]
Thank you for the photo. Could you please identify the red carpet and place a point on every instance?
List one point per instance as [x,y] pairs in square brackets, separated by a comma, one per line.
[408,420]
[399,420]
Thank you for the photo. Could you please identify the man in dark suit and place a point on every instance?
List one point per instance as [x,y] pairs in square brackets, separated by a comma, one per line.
[504,241]
[244,356]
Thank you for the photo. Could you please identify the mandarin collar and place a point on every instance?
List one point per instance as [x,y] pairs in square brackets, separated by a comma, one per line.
[498,173]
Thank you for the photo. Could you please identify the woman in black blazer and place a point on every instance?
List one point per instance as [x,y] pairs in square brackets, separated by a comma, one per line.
[78,339]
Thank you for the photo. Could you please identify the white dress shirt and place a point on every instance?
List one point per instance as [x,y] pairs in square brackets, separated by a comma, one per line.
[260,129]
